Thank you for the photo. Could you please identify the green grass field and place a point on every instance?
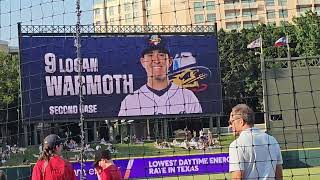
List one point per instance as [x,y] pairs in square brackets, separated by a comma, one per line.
[124,151]
[148,149]
[295,174]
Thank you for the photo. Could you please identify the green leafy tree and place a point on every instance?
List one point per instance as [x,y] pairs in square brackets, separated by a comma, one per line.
[9,78]
[9,92]
[239,69]
[307,32]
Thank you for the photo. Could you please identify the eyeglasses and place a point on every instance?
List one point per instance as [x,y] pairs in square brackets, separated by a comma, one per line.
[230,122]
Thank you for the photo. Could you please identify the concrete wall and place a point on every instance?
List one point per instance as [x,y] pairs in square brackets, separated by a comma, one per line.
[294,105]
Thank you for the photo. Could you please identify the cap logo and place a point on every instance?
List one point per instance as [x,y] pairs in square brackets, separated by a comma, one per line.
[154,40]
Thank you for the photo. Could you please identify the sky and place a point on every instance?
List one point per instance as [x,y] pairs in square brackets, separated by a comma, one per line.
[40,12]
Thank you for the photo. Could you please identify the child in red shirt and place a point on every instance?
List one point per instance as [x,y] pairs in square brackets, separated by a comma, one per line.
[105,168]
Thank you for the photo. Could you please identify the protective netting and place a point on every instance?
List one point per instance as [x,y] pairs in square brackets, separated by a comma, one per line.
[161,114]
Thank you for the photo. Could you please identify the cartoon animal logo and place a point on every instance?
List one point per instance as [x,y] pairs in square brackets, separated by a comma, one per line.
[154,40]
[187,74]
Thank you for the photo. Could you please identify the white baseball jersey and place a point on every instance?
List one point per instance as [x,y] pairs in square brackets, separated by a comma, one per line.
[176,100]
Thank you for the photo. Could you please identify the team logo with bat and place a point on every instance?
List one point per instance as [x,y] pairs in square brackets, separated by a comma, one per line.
[187,75]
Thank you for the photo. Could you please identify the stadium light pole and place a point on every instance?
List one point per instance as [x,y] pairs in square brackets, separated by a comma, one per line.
[148,130]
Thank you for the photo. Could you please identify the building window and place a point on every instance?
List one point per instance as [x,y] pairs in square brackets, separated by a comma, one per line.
[135,14]
[111,10]
[248,1]
[211,17]
[232,14]
[272,23]
[148,3]
[111,21]
[198,18]
[198,6]
[136,21]
[97,12]
[148,12]
[210,5]
[249,12]
[135,5]
[317,10]
[233,25]
[127,7]
[305,1]
[269,2]
[303,10]
[283,13]
[271,14]
[283,2]
[149,18]
[284,23]
[248,25]
[231,1]
[128,18]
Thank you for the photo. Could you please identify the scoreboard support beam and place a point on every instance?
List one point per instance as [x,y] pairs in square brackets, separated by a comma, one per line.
[95,131]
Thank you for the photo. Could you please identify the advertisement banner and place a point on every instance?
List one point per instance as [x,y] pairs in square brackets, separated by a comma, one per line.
[143,75]
[154,167]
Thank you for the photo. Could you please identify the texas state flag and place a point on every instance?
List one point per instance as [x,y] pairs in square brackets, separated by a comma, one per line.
[281,42]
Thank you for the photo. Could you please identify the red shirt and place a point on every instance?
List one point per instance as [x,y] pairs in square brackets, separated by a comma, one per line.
[111,173]
[56,169]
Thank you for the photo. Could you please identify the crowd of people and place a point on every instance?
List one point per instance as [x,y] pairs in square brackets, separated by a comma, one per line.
[6,151]
[201,142]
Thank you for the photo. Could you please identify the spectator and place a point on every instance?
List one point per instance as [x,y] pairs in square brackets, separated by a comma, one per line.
[254,154]
[105,167]
[50,164]
[2,175]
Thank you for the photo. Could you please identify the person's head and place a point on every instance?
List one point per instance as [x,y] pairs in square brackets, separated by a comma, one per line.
[102,158]
[2,175]
[52,145]
[241,118]
[156,60]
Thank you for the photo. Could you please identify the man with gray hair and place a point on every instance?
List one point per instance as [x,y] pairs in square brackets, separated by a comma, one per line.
[254,154]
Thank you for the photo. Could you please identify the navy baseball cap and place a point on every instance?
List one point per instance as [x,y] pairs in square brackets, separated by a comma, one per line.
[52,140]
[155,42]
[101,154]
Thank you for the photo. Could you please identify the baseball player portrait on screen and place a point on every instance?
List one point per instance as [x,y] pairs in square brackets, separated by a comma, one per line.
[159,96]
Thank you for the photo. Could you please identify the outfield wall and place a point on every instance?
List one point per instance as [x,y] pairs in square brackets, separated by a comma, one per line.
[291,158]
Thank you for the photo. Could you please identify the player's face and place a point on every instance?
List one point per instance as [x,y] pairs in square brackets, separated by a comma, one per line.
[156,64]
[235,122]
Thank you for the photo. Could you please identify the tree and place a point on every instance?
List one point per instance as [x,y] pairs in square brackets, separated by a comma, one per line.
[239,69]
[9,93]
[307,31]
[9,78]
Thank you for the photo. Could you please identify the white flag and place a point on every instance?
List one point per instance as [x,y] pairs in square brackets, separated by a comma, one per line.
[255,44]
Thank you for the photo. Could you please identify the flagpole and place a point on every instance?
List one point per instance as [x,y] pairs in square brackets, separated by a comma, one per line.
[291,79]
[261,49]
[288,47]
[264,87]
